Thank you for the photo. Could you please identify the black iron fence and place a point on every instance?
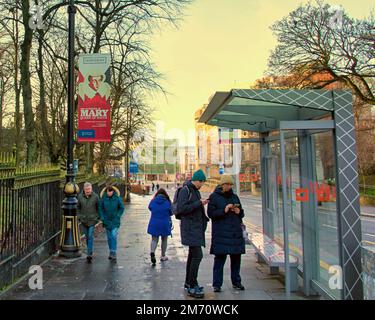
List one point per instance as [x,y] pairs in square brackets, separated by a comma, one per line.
[30,216]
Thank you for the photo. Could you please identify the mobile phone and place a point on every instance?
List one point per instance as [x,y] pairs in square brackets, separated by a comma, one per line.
[236,205]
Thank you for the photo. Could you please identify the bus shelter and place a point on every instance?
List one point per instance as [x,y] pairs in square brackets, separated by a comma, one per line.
[309,179]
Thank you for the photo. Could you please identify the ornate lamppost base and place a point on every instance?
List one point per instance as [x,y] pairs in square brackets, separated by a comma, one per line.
[70,242]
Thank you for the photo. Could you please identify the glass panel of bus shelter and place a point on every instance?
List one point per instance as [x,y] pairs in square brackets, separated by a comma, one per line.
[293,184]
[276,191]
[271,163]
[325,194]
[250,184]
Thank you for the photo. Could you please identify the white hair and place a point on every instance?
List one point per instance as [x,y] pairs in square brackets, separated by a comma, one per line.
[87,185]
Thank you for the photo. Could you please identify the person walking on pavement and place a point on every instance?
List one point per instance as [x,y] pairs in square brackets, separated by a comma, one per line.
[160,224]
[88,215]
[153,186]
[193,226]
[226,213]
[157,186]
[111,208]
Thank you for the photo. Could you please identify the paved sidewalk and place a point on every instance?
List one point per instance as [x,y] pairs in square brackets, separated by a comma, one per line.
[133,277]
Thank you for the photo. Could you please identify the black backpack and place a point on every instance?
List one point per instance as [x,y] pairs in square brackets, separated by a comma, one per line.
[175,201]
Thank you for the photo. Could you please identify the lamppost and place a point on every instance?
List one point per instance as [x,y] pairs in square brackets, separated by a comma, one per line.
[70,239]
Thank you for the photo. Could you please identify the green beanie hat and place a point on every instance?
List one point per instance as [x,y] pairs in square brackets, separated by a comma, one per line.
[198,176]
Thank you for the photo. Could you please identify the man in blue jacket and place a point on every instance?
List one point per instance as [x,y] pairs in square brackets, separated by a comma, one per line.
[111,209]
[193,226]
[226,213]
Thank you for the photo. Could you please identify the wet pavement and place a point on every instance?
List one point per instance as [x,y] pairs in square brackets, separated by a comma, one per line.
[133,277]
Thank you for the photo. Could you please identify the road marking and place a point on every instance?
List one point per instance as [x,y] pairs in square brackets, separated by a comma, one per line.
[326,225]
[368,234]
[370,242]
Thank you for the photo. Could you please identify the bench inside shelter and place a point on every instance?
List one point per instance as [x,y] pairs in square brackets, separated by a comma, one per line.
[268,251]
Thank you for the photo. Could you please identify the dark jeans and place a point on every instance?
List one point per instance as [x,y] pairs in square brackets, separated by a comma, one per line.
[194,259]
[235,265]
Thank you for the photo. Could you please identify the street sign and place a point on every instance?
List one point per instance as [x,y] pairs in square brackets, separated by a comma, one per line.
[133,167]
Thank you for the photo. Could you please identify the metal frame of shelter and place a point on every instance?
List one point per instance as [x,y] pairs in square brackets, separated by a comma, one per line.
[266,111]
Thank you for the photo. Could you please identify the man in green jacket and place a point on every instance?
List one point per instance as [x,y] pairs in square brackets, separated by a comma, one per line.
[88,214]
[111,208]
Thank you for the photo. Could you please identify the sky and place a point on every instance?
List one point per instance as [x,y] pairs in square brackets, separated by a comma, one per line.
[219,45]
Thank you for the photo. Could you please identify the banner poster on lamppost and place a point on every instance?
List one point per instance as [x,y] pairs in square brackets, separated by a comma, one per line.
[94,109]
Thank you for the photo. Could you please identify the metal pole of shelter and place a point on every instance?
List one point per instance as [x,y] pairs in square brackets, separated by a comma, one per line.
[285,216]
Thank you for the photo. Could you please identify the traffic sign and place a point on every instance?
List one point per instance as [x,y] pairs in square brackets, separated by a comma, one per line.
[133,167]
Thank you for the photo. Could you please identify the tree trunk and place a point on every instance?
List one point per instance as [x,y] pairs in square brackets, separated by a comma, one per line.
[89,148]
[101,167]
[17,115]
[89,157]
[17,89]
[47,135]
[30,133]
[2,89]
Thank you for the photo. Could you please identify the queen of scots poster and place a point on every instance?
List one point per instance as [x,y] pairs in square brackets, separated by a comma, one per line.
[94,110]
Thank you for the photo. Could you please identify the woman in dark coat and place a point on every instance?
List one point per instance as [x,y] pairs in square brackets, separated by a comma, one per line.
[226,213]
[190,208]
[111,209]
[160,224]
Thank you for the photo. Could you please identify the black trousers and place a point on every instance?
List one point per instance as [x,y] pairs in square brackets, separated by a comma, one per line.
[192,266]
[235,265]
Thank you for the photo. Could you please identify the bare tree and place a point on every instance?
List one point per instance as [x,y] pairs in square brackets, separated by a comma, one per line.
[11,34]
[6,71]
[39,56]
[120,28]
[323,39]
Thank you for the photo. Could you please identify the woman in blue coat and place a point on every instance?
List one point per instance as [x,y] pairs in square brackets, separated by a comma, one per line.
[160,224]
[226,213]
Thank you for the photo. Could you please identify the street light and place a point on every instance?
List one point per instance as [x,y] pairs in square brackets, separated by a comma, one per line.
[70,239]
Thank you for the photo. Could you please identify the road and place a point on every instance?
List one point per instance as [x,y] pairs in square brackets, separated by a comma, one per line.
[326,218]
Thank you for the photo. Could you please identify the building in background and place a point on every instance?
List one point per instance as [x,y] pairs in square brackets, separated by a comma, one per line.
[187,162]
[208,152]
[164,163]
[250,163]
[214,153]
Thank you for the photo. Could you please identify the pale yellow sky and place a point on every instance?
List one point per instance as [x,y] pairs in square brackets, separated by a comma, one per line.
[219,45]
